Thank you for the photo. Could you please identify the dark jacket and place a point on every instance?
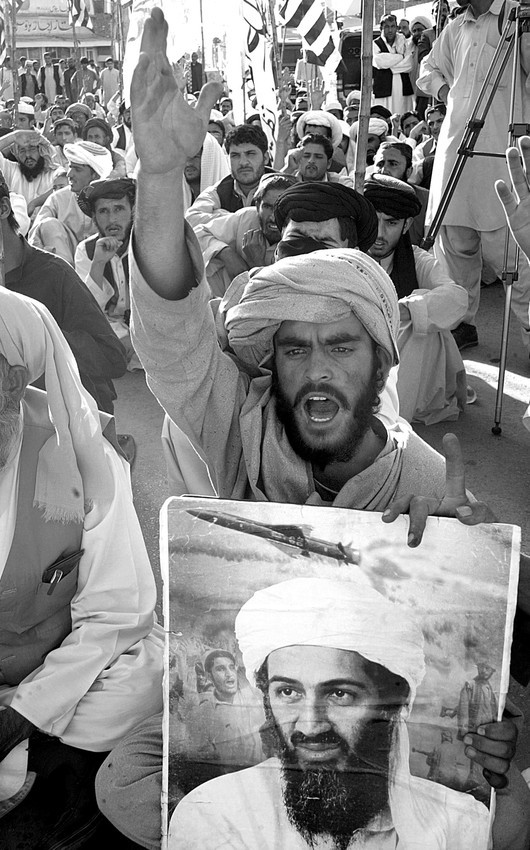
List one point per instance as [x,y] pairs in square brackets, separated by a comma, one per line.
[99,354]
[56,77]
[383,77]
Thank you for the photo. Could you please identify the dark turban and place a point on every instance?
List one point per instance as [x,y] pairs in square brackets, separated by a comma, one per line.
[100,124]
[322,201]
[120,187]
[391,196]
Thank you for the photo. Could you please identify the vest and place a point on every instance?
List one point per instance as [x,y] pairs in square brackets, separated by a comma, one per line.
[122,142]
[108,274]
[230,200]
[383,77]
[32,621]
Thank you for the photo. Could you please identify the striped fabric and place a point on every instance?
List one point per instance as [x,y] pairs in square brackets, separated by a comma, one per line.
[5,8]
[81,13]
[308,18]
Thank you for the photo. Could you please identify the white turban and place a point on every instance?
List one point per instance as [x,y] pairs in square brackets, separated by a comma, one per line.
[25,108]
[376,127]
[88,153]
[72,470]
[320,119]
[347,615]
[324,286]
[421,19]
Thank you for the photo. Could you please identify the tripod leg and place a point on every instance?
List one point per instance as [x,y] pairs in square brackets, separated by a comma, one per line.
[508,278]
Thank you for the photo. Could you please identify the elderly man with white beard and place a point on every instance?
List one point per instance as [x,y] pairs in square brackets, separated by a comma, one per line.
[339,666]
[80,650]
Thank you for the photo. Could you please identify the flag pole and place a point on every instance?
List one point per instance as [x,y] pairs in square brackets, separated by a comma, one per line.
[12,49]
[74,33]
[366,94]
[275,47]
[203,55]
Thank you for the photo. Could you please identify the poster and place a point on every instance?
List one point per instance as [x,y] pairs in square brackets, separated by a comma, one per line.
[373,661]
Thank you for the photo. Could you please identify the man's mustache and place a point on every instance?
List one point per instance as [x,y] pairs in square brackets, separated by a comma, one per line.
[321,389]
[327,738]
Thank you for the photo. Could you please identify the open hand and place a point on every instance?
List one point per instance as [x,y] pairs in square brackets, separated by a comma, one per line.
[167,131]
[455,502]
[516,203]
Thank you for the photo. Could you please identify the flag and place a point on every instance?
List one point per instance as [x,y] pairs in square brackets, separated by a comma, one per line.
[5,9]
[308,18]
[81,13]
[259,57]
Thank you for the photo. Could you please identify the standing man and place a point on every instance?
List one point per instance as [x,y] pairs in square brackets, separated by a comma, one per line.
[417,28]
[110,81]
[7,80]
[392,61]
[85,79]
[194,75]
[474,228]
[49,78]
[71,91]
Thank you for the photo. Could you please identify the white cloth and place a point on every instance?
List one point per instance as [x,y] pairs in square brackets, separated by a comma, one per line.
[245,811]
[214,166]
[460,58]
[29,189]
[321,119]
[63,207]
[91,154]
[102,294]
[110,83]
[399,61]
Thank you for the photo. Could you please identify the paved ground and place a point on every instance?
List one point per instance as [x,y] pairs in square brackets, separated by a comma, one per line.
[497,468]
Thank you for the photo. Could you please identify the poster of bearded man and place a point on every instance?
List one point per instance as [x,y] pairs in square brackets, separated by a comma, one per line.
[311,659]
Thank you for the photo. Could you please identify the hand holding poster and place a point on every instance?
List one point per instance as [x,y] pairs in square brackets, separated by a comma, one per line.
[325,680]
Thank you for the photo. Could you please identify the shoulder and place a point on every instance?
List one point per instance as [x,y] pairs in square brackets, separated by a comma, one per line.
[423,470]
[232,786]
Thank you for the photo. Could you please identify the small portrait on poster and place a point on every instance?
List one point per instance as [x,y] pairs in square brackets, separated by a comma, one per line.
[322,677]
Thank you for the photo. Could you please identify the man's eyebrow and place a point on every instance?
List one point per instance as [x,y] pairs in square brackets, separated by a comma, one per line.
[328,683]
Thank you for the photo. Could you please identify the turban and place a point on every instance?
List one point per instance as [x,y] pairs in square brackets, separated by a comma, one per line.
[78,107]
[333,104]
[353,97]
[376,127]
[421,19]
[348,615]
[119,187]
[322,201]
[88,153]
[325,286]
[391,196]
[100,124]
[72,470]
[320,119]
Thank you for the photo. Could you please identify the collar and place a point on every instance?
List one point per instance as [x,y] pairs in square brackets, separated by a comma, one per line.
[494,9]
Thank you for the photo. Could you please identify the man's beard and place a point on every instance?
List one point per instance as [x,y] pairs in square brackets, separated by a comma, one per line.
[324,800]
[341,451]
[33,171]
[9,427]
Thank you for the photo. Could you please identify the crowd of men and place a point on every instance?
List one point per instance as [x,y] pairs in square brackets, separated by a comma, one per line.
[292,329]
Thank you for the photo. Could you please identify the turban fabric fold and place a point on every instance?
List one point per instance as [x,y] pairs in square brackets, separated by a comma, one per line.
[322,201]
[88,153]
[325,286]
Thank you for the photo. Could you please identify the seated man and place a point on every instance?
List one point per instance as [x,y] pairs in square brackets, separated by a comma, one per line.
[63,134]
[319,122]
[101,260]
[314,158]
[80,114]
[377,135]
[61,225]
[31,174]
[98,131]
[247,149]
[431,376]
[80,651]
[395,160]
[338,665]
[205,168]
[244,239]
[434,116]
[40,275]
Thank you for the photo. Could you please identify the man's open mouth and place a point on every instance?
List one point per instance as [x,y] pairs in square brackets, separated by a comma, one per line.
[320,408]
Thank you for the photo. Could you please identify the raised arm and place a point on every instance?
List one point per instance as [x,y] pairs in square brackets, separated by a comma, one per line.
[166,132]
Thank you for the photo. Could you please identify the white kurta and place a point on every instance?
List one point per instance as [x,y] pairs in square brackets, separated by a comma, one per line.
[106,676]
[29,189]
[399,60]
[460,58]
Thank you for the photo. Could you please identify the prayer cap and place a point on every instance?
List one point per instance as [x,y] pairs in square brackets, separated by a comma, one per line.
[322,201]
[64,120]
[391,196]
[333,104]
[324,286]
[320,119]
[118,187]
[348,615]
[88,153]
[25,108]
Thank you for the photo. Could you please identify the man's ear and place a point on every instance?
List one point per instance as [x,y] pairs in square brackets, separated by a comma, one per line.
[16,381]
[408,172]
[385,363]
[267,158]
[5,207]
[406,226]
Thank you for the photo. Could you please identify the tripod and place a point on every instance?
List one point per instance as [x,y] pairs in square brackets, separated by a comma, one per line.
[518,21]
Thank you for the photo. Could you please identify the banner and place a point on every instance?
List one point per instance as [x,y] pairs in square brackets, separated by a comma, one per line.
[258,52]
